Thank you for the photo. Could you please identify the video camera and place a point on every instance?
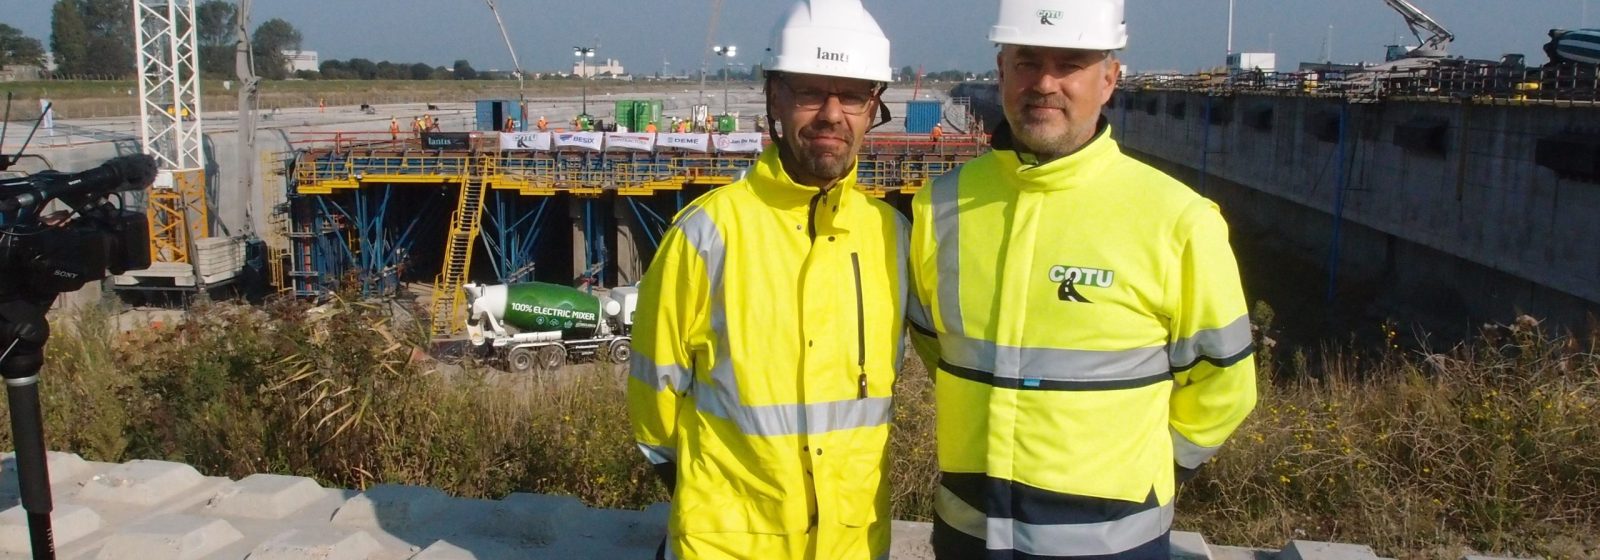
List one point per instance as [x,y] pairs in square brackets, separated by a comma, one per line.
[43,255]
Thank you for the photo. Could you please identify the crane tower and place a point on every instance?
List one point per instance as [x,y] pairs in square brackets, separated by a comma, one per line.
[170,130]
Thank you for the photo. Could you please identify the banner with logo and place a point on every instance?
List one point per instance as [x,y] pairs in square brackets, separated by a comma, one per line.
[739,142]
[586,140]
[514,141]
[693,142]
[643,141]
[447,140]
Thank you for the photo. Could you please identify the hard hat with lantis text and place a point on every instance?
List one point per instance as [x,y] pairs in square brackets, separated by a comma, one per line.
[830,38]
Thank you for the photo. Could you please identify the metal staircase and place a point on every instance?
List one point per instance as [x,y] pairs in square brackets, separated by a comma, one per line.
[465,224]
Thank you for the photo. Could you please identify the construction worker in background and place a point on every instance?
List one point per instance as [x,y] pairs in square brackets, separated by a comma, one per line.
[418,126]
[433,124]
[544,125]
[509,126]
[937,133]
[650,128]
[770,322]
[1084,314]
[394,129]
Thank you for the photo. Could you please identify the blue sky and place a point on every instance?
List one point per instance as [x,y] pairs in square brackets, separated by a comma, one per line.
[1183,35]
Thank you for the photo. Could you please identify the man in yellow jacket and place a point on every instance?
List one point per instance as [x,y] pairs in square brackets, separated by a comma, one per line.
[770,324]
[1083,313]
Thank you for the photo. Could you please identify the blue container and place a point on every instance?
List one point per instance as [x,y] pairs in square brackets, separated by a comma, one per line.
[492,113]
[921,115]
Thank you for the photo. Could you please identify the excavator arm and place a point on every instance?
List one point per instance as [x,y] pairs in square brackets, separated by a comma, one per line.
[1439,38]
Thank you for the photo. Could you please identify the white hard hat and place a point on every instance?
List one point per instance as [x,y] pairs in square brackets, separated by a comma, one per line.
[1095,25]
[830,38]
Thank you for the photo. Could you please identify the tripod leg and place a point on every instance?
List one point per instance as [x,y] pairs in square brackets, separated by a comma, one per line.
[33,475]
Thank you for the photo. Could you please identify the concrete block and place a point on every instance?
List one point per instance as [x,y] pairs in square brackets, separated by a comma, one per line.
[619,528]
[911,541]
[265,496]
[68,523]
[1242,553]
[391,507]
[1189,546]
[469,549]
[321,543]
[1313,550]
[536,518]
[173,536]
[141,483]
[62,467]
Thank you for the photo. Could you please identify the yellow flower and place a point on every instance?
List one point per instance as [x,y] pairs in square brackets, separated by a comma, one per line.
[1283,479]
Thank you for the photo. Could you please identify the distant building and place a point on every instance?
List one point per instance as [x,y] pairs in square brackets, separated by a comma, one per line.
[587,69]
[301,60]
[1252,62]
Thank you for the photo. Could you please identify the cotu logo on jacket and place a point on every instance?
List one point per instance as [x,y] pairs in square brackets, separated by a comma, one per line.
[1070,278]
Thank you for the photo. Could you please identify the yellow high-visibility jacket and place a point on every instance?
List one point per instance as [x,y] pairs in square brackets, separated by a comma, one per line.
[1091,339]
[769,331]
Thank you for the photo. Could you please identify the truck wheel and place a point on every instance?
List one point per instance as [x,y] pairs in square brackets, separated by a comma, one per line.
[521,360]
[552,357]
[621,351]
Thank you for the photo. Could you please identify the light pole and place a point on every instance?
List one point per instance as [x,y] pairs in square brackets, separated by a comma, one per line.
[583,54]
[727,53]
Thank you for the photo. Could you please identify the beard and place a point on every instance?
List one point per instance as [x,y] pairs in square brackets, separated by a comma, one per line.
[819,163]
[1049,135]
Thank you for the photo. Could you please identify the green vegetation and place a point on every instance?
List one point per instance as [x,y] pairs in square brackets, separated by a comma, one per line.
[1490,446]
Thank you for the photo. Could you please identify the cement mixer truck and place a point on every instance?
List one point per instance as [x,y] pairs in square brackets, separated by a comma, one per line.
[534,326]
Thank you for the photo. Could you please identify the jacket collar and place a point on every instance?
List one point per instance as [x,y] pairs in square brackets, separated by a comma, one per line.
[1075,169]
[772,185]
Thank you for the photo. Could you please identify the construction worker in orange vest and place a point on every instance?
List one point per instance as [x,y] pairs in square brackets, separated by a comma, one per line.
[394,129]
[544,125]
[650,128]
[937,133]
[510,126]
[418,126]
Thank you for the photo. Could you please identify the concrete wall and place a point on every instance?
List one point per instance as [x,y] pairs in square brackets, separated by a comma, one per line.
[1480,219]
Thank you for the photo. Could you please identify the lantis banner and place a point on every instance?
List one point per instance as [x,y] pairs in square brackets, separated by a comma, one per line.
[447,140]
[694,142]
[739,142]
[587,140]
[513,141]
[643,141]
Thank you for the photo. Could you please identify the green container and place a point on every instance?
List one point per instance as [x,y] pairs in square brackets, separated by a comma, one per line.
[651,112]
[541,307]
[726,123]
[625,113]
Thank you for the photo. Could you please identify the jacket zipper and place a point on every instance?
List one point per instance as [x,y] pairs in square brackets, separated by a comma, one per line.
[861,330]
[811,219]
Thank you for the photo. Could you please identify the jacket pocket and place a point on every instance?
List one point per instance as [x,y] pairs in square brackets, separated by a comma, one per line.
[863,496]
[718,495]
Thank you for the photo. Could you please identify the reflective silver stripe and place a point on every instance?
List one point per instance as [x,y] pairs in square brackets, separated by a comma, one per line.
[657,454]
[908,299]
[958,514]
[1052,364]
[1087,539]
[1218,344]
[658,376]
[723,402]
[722,399]
[1188,454]
[947,235]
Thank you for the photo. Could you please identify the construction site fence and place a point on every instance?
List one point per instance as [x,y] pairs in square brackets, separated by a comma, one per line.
[1567,83]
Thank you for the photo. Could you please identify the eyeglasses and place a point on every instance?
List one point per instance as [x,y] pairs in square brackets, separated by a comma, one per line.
[851,102]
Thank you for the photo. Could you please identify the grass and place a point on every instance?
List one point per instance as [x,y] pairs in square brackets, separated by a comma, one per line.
[1489,446]
[80,99]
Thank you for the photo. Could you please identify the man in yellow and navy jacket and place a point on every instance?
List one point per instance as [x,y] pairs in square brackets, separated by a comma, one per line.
[771,323]
[1084,312]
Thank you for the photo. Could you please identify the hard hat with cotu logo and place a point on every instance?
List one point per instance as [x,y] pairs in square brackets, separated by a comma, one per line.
[1061,24]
